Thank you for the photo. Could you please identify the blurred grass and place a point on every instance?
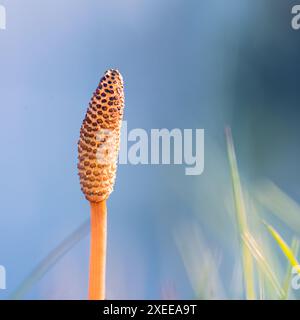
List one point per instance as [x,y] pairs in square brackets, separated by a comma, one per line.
[262,262]
[288,276]
[241,217]
[201,264]
[290,253]
[262,277]
[287,251]
[279,203]
[262,274]
[50,260]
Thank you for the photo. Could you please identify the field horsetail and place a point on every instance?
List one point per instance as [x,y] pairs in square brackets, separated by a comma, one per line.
[98,149]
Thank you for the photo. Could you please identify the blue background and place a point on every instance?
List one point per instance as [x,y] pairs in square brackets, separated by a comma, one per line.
[186,64]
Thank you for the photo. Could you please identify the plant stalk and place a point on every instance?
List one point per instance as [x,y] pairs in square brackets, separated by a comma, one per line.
[98,250]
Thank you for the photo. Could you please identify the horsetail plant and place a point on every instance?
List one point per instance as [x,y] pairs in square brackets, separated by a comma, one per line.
[98,149]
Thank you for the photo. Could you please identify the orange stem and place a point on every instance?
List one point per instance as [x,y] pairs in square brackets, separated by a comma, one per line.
[98,250]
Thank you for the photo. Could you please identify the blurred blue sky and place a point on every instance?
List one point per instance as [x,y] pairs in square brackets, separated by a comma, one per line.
[186,64]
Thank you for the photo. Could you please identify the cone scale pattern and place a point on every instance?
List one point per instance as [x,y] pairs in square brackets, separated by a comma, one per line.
[99,140]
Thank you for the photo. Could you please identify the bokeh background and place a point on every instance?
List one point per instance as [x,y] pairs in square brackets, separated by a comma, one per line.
[186,64]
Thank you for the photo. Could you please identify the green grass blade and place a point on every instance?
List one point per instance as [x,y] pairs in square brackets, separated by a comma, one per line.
[287,251]
[279,204]
[288,277]
[290,253]
[262,293]
[241,216]
[262,262]
[50,260]
[201,264]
